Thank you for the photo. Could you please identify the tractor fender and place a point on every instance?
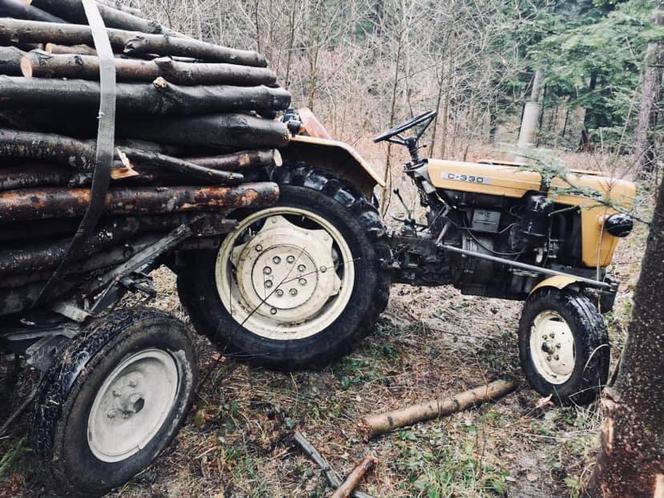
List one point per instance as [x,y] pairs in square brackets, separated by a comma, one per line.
[558,281]
[335,158]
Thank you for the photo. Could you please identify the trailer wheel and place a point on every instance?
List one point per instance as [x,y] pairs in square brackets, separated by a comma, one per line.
[564,346]
[295,285]
[114,401]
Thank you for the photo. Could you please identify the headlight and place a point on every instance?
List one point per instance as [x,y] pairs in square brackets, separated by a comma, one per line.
[619,225]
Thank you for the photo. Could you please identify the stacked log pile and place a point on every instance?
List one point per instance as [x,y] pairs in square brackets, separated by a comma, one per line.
[195,122]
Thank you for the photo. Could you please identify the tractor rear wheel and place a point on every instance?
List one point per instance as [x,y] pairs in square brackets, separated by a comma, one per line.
[295,285]
[564,346]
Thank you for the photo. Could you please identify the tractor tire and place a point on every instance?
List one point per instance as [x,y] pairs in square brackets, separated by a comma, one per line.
[305,318]
[115,399]
[564,346]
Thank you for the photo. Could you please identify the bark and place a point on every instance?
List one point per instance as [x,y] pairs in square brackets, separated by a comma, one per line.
[13,300]
[355,477]
[18,31]
[47,203]
[54,48]
[182,167]
[22,9]
[240,160]
[10,61]
[160,97]
[222,131]
[40,175]
[41,64]
[631,459]
[72,11]
[375,425]
[46,253]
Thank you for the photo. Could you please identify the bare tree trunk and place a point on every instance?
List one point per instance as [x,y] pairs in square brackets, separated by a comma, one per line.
[531,113]
[631,459]
[645,148]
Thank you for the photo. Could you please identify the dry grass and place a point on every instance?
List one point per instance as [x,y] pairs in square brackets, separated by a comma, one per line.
[429,343]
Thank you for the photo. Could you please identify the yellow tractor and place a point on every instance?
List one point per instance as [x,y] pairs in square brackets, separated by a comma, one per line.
[298,284]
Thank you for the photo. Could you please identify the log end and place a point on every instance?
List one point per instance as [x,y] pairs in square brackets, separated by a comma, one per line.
[26,66]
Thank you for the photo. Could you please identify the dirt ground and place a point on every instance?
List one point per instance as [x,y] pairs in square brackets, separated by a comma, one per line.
[429,343]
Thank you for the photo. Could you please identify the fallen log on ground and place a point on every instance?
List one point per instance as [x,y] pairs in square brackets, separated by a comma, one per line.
[355,477]
[34,204]
[159,97]
[331,475]
[374,425]
[17,31]
[42,64]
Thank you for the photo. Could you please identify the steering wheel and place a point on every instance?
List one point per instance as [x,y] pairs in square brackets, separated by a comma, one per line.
[405,126]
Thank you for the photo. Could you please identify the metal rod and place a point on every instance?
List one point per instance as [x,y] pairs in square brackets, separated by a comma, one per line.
[525,266]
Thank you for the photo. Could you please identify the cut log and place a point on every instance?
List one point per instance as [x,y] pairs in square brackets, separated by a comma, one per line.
[54,48]
[355,477]
[240,160]
[47,253]
[375,425]
[44,64]
[22,9]
[47,147]
[10,60]
[41,175]
[183,167]
[13,300]
[131,42]
[119,6]
[33,204]
[219,131]
[72,11]
[160,97]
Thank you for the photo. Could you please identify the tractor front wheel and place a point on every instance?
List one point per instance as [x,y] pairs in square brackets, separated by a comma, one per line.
[564,346]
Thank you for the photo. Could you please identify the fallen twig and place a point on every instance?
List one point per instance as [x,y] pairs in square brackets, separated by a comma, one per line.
[374,425]
[355,477]
[331,475]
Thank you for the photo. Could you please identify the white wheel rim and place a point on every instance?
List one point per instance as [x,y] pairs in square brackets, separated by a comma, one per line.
[281,280]
[132,405]
[552,347]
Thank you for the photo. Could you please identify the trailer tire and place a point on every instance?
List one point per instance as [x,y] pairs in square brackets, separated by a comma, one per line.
[564,346]
[115,399]
[349,217]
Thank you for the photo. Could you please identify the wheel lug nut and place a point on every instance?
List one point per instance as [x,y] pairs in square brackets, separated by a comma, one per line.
[293,292]
[303,281]
[301,268]
[276,260]
[556,357]
[268,284]
[558,346]
[133,383]
[279,292]
[290,259]
[259,248]
[116,393]
[267,270]
[548,358]
[323,269]
[273,311]
[552,335]
[111,414]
